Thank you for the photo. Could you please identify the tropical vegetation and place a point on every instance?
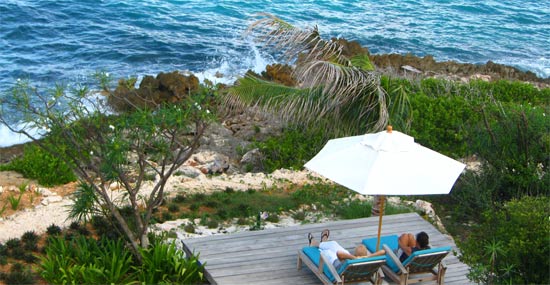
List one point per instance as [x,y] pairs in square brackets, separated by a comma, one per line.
[498,211]
[501,125]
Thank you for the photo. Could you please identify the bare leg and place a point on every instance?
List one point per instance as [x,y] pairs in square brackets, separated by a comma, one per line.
[314,242]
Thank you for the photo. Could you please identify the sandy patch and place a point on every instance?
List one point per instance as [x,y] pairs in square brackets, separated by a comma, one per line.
[52,205]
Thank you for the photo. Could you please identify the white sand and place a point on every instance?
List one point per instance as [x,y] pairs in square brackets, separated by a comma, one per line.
[37,219]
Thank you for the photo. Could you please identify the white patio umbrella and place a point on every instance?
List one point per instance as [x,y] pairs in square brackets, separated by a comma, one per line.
[385,163]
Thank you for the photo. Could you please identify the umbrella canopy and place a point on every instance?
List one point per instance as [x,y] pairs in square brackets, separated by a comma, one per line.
[386,163]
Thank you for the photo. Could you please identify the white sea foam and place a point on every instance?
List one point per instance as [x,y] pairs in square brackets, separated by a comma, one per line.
[229,70]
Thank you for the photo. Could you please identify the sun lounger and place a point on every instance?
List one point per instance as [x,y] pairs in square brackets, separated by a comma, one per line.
[353,270]
[423,265]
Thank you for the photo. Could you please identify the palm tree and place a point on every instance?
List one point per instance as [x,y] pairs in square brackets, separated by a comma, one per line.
[339,94]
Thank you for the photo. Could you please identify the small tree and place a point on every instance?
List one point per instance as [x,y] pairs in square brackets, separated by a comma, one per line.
[103,148]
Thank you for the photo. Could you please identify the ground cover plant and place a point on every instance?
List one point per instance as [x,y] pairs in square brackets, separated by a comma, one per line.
[298,201]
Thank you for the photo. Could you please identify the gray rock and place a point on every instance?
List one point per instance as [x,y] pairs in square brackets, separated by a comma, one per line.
[252,160]
[189,171]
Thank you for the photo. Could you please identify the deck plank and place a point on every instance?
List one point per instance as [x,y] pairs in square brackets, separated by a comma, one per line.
[269,256]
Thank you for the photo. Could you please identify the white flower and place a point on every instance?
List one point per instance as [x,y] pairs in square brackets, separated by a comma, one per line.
[18,79]
[91,152]
[112,127]
[207,111]
[106,73]
[264,215]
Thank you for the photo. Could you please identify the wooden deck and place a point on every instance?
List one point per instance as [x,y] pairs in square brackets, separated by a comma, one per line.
[270,256]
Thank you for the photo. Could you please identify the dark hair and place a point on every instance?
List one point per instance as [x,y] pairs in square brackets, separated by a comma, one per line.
[422,240]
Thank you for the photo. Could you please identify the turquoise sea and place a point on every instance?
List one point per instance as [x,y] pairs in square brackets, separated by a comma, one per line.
[67,41]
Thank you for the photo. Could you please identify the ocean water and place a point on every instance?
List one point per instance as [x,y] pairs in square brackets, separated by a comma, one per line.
[67,41]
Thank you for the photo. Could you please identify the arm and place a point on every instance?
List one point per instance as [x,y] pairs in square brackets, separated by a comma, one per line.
[405,243]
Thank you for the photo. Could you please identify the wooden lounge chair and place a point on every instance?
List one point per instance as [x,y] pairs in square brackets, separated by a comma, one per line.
[352,270]
[420,266]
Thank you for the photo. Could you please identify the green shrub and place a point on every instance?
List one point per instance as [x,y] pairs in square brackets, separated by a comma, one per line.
[273,218]
[13,243]
[18,253]
[29,236]
[189,228]
[173,208]
[180,198]
[19,275]
[163,263]
[30,240]
[86,261]
[511,244]
[212,224]
[242,221]
[442,123]
[53,230]
[29,258]
[3,260]
[37,164]
[167,216]
[291,150]
[3,250]
[299,215]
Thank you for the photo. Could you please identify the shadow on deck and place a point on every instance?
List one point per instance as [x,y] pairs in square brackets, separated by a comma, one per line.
[270,256]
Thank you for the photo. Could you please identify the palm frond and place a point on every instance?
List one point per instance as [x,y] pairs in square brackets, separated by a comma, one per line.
[331,88]
[293,42]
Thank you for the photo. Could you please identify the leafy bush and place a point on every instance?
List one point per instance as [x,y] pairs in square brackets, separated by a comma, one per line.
[514,140]
[38,164]
[86,261]
[29,236]
[291,150]
[53,230]
[163,263]
[13,243]
[180,198]
[511,244]
[18,274]
[173,208]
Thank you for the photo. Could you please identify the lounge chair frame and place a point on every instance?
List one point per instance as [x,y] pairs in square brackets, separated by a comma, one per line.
[349,275]
[405,272]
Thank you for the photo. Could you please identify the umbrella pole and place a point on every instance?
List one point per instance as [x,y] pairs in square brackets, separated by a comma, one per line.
[380,214]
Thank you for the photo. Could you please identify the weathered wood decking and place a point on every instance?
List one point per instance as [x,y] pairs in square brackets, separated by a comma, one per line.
[270,256]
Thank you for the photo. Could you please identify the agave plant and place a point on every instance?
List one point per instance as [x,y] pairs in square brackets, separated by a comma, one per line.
[340,94]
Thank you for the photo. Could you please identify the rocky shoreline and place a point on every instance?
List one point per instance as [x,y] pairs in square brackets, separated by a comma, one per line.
[401,65]
[218,152]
